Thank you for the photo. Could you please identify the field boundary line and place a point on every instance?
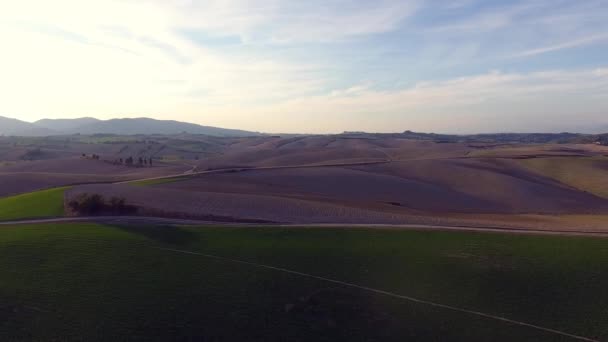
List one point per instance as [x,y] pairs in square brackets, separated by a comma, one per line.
[387,293]
[404,226]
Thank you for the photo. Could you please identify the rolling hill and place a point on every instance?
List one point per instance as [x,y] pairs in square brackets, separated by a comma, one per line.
[65,125]
[10,126]
[46,127]
[151,126]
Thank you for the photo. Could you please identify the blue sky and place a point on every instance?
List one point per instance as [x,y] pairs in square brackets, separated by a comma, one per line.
[456,66]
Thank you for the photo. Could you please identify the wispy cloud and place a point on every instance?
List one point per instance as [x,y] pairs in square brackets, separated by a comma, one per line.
[165,48]
[603,37]
[292,21]
[545,101]
[323,22]
[286,65]
[487,19]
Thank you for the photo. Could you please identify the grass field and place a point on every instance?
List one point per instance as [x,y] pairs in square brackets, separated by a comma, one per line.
[587,174]
[151,182]
[100,283]
[44,203]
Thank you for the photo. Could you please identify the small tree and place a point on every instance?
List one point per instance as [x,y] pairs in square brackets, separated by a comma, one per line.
[118,205]
[95,204]
[87,204]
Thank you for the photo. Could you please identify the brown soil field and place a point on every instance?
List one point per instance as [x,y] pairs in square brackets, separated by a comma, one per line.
[272,158]
[236,207]
[421,181]
[242,208]
[542,150]
[509,187]
[442,187]
[259,152]
[589,174]
[495,196]
[337,184]
[87,166]
[320,179]
[27,176]
[16,183]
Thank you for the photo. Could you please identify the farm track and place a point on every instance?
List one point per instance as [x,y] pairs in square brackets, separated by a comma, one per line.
[335,281]
[186,222]
[190,173]
[193,173]
[385,293]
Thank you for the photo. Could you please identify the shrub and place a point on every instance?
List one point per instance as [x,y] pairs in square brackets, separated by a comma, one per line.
[87,204]
[95,204]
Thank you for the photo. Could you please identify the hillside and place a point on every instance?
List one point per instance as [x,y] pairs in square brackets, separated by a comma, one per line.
[47,127]
[65,125]
[10,126]
[151,126]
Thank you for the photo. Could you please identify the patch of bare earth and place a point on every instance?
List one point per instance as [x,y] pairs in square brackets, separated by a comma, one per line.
[27,176]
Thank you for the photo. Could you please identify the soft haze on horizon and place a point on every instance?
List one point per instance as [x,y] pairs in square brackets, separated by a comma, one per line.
[453,66]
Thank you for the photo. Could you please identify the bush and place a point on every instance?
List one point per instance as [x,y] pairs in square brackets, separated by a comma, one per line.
[86,204]
[95,204]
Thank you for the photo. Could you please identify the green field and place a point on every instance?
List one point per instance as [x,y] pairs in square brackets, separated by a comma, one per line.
[44,203]
[151,182]
[586,174]
[87,282]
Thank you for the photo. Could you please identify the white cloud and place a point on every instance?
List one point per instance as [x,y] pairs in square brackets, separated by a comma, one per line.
[292,20]
[77,56]
[110,58]
[525,28]
[328,21]
[541,101]
[488,20]
[602,37]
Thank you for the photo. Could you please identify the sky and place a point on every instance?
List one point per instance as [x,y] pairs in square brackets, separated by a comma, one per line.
[316,66]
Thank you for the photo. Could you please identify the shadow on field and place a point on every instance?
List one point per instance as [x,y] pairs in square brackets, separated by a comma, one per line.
[166,234]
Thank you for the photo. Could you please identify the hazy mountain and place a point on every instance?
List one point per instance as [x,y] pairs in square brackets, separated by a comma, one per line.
[10,126]
[115,126]
[65,125]
[151,126]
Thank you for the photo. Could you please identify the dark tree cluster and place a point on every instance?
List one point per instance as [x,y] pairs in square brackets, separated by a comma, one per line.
[602,139]
[92,156]
[32,154]
[139,162]
[96,204]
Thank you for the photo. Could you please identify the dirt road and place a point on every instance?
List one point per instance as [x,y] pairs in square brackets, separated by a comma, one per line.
[183,222]
[191,173]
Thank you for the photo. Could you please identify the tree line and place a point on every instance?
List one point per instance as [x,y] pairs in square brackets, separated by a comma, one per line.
[130,161]
[139,162]
[96,204]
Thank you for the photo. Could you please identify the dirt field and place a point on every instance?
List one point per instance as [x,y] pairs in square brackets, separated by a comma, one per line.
[237,207]
[407,181]
[586,174]
[26,176]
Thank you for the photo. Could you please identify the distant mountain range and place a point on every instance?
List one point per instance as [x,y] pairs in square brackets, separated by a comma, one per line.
[88,126]
[48,127]
[10,126]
